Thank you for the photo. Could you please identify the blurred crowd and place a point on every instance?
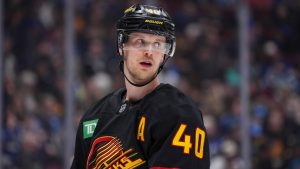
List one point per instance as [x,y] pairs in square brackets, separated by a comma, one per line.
[205,66]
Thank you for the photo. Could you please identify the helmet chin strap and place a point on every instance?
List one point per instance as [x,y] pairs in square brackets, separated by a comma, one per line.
[143,84]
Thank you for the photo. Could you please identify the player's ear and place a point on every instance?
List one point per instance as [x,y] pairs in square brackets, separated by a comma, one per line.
[121,51]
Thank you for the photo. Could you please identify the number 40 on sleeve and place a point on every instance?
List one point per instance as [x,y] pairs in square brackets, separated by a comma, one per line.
[184,140]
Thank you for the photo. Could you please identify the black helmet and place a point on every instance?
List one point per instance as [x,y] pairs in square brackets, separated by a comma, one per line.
[148,19]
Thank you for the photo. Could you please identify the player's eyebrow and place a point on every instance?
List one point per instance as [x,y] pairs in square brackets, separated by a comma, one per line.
[158,38]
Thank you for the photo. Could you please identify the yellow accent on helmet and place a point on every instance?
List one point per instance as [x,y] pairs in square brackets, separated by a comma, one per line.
[154,21]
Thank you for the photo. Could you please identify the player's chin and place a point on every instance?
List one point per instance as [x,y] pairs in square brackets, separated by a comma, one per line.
[149,71]
[143,78]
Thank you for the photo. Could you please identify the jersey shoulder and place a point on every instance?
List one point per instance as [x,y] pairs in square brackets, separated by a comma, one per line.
[167,94]
[169,103]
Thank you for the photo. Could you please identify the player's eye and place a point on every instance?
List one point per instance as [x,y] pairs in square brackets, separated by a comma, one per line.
[157,45]
[138,43]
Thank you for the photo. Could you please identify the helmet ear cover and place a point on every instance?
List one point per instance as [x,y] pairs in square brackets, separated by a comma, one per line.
[122,38]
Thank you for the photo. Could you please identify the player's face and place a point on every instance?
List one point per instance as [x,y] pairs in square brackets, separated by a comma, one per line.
[143,54]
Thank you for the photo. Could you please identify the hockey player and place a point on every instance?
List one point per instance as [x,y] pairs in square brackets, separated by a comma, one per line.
[147,124]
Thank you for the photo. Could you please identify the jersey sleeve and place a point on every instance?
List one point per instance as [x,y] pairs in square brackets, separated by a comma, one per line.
[80,156]
[82,145]
[179,139]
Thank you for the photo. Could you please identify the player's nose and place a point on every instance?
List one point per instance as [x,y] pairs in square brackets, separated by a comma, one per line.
[148,52]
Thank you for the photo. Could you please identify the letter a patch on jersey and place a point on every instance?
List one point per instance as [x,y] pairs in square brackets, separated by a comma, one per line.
[141,129]
[89,128]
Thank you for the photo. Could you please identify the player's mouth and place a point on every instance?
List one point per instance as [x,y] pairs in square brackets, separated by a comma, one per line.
[146,64]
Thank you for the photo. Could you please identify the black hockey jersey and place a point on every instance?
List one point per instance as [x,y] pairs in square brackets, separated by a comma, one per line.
[164,130]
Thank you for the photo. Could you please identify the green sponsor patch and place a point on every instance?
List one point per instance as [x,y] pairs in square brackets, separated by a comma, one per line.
[89,128]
